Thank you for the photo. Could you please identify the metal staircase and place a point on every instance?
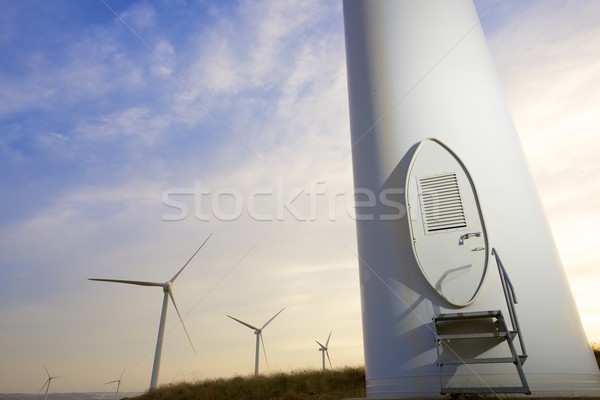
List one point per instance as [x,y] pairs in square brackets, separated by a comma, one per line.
[460,337]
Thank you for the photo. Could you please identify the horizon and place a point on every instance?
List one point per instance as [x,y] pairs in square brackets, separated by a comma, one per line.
[131,131]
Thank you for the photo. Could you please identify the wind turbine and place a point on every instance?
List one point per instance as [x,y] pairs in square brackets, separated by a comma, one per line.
[168,292]
[47,383]
[118,382]
[259,338]
[324,350]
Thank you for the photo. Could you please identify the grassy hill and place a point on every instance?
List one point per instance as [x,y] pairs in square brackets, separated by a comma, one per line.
[298,385]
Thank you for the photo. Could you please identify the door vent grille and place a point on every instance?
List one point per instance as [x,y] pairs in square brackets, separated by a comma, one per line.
[441,204]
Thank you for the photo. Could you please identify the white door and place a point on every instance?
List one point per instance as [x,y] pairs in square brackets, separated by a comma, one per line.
[447,229]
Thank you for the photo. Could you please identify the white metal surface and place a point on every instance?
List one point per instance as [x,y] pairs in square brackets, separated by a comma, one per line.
[419,69]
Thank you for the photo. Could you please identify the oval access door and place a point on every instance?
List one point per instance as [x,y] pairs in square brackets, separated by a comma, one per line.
[446,223]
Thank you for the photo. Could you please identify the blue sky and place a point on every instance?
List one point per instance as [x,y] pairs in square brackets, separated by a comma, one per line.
[109,106]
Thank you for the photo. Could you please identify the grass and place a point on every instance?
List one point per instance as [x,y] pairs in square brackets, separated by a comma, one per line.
[298,385]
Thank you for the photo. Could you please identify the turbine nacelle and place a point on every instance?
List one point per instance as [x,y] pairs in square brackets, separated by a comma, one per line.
[259,338]
[48,381]
[323,348]
[118,382]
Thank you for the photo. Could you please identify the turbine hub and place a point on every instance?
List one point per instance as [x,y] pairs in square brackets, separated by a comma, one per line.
[167,286]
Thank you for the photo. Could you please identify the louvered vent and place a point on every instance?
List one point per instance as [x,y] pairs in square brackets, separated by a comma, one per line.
[441,203]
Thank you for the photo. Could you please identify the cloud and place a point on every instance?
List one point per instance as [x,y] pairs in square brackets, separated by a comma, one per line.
[138,123]
[553,89]
[165,56]
[242,53]
[85,70]
[140,16]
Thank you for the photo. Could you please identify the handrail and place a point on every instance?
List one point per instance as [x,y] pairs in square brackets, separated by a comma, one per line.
[513,295]
[510,296]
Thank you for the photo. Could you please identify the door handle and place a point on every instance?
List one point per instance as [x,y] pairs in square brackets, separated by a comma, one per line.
[464,237]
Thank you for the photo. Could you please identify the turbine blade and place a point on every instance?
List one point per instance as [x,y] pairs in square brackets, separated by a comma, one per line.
[47,373]
[264,349]
[107,383]
[328,337]
[139,283]
[243,323]
[319,343]
[193,255]
[46,383]
[181,319]
[122,373]
[327,352]
[269,321]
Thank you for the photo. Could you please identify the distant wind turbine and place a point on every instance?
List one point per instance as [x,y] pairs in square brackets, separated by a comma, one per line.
[47,383]
[118,382]
[259,338]
[168,292]
[324,350]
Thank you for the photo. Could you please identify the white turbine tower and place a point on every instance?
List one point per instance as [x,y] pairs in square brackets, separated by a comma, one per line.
[118,382]
[259,338]
[47,383]
[168,292]
[324,350]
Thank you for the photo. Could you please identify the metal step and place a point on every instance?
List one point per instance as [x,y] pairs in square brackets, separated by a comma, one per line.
[479,335]
[468,315]
[488,360]
[493,390]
